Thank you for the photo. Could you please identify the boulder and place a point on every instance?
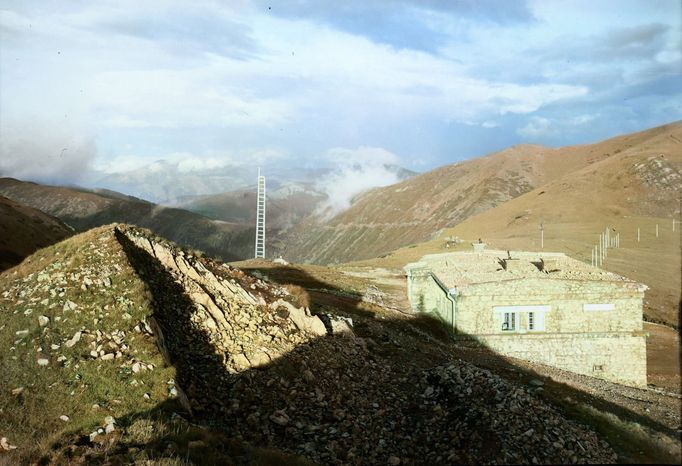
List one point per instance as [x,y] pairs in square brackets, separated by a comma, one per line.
[303,321]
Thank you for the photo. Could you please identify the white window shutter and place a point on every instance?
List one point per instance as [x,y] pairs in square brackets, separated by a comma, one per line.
[539,320]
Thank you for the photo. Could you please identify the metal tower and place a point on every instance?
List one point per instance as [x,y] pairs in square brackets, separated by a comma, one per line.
[260,218]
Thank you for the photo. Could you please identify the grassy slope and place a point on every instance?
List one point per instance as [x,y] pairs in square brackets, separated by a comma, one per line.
[577,207]
[84,388]
[72,387]
[238,207]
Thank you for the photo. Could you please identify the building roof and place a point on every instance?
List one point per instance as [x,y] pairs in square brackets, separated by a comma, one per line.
[459,269]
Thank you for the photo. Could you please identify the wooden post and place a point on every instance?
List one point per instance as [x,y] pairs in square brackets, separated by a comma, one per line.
[608,238]
[638,234]
[592,258]
[657,230]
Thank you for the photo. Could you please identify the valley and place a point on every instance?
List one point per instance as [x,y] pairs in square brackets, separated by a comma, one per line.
[84,209]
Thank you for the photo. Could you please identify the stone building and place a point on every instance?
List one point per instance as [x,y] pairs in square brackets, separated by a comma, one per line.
[541,307]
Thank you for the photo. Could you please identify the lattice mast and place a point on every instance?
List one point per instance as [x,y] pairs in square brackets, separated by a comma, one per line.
[260,218]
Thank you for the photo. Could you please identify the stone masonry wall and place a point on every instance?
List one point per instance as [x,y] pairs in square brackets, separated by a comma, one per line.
[566,298]
[604,344]
[426,295]
[617,357]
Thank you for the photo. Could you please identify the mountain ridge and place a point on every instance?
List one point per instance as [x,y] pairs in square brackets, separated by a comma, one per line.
[23,230]
[84,209]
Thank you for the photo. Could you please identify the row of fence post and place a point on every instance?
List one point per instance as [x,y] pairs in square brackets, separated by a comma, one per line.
[607,241]
[600,250]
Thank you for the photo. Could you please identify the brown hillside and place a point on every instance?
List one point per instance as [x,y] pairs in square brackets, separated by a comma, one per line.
[84,209]
[239,207]
[414,210]
[637,186]
[24,230]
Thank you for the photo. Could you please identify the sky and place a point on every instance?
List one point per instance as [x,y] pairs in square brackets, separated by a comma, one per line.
[110,86]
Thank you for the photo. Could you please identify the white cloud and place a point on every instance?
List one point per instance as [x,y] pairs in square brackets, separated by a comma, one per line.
[187,162]
[543,128]
[140,76]
[356,171]
[132,81]
[196,164]
[182,162]
[537,127]
[42,151]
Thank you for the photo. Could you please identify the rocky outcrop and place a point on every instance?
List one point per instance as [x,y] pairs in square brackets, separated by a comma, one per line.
[246,321]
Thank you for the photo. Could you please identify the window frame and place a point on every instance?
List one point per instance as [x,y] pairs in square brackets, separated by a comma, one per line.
[538,313]
[509,318]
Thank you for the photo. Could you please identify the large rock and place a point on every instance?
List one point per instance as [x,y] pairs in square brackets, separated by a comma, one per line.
[302,319]
[75,339]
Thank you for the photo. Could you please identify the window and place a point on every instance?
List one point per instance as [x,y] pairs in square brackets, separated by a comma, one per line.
[536,321]
[520,318]
[509,321]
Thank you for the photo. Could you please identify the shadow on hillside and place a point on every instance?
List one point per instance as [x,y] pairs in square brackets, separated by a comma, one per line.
[338,398]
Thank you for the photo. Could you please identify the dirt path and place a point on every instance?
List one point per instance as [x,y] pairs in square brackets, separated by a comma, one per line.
[663,357]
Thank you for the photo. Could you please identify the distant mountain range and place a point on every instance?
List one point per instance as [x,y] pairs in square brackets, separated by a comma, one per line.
[165,182]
